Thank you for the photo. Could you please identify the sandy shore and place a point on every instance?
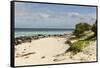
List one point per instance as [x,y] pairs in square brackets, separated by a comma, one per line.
[49,51]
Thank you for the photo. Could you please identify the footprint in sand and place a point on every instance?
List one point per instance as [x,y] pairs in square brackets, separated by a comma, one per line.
[57,60]
[58,55]
[24,55]
[28,54]
[43,57]
[24,49]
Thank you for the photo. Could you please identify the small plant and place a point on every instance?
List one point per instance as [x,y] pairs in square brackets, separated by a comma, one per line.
[78,46]
[68,42]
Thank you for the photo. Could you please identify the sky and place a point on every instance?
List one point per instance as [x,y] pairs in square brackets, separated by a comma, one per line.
[37,15]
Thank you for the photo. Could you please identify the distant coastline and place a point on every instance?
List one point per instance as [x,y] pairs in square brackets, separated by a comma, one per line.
[44,31]
[44,28]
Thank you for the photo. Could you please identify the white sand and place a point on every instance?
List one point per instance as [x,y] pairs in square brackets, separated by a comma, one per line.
[47,50]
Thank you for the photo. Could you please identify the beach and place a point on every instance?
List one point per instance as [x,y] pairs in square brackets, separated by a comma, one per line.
[41,49]
[53,34]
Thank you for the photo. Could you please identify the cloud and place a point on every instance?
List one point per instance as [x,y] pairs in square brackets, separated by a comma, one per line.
[32,14]
[76,15]
[21,12]
[50,18]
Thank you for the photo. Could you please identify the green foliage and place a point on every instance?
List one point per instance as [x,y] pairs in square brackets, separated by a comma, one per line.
[82,36]
[68,42]
[78,46]
[80,28]
[92,37]
[94,28]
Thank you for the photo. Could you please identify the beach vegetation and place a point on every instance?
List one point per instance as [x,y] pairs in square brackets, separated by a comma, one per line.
[68,42]
[78,46]
[84,33]
[94,28]
[80,28]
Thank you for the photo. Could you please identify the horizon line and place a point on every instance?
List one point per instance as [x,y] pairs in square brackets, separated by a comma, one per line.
[44,28]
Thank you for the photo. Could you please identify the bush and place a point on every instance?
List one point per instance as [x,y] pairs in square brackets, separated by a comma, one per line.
[94,28]
[80,28]
[78,46]
[68,42]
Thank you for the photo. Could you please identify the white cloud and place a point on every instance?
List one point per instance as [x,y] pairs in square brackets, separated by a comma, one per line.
[58,19]
[52,15]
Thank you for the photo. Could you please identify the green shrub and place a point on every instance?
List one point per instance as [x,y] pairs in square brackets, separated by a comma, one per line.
[78,46]
[94,28]
[92,37]
[68,42]
[80,28]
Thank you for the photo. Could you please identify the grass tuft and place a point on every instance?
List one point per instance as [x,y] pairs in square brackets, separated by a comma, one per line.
[78,46]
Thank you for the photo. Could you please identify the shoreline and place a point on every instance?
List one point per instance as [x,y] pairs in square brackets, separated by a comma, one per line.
[24,39]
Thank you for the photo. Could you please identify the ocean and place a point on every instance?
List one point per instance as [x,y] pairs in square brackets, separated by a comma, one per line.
[34,31]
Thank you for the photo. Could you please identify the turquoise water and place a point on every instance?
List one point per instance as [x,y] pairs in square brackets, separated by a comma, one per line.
[31,32]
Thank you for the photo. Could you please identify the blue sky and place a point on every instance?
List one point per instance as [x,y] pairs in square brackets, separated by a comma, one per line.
[35,15]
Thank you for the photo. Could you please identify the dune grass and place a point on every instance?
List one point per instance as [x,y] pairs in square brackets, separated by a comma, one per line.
[78,46]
